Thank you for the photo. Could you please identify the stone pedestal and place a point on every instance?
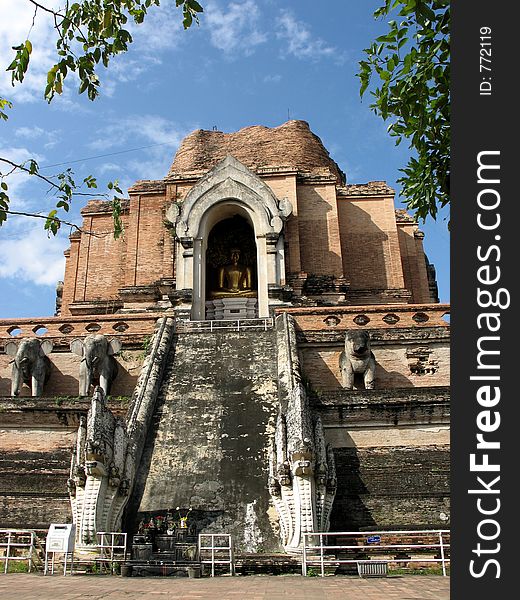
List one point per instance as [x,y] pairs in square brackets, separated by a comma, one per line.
[231,309]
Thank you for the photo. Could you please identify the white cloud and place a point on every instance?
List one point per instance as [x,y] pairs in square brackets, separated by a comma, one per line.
[134,129]
[30,255]
[18,179]
[31,133]
[161,30]
[272,79]
[301,43]
[235,30]
[15,25]
[162,135]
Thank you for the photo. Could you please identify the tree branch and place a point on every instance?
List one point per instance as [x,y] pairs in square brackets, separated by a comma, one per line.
[42,177]
[37,216]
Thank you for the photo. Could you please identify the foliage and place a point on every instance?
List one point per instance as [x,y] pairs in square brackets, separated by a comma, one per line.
[18,566]
[89,33]
[412,63]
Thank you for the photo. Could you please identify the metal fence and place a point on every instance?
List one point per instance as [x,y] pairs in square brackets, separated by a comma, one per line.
[106,556]
[112,548]
[224,325]
[216,549]
[324,550]
[20,545]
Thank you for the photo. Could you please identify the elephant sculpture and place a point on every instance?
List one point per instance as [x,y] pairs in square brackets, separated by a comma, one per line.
[97,361]
[357,358]
[30,364]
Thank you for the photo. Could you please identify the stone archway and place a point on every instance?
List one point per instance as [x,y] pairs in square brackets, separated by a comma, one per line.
[234,234]
[229,190]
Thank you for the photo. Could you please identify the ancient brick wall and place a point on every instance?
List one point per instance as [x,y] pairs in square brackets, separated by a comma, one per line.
[36,438]
[64,375]
[96,263]
[414,363]
[410,343]
[391,488]
[319,234]
[369,242]
[207,447]
[392,457]
[150,251]
[413,261]
[133,331]
[285,187]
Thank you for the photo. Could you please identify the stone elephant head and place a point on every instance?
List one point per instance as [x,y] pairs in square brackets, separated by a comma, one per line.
[30,364]
[96,351]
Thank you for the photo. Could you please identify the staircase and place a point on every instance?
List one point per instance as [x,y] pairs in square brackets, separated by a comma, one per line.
[209,437]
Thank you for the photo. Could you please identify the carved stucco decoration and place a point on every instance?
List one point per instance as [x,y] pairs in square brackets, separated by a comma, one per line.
[108,449]
[229,179]
[302,474]
[30,364]
[98,485]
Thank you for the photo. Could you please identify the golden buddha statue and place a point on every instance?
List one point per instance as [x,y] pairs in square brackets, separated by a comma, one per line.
[234,279]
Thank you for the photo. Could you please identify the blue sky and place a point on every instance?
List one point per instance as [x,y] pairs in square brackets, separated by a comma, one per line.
[254,62]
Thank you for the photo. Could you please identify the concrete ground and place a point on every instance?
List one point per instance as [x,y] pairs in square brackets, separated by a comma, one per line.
[20,586]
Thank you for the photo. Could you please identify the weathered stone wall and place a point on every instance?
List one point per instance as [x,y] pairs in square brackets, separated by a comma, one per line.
[208,443]
[392,457]
[391,488]
[36,440]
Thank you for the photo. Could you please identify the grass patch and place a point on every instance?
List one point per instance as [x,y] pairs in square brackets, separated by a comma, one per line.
[425,571]
[17,566]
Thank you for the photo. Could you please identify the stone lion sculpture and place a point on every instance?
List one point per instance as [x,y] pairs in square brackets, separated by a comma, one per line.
[357,358]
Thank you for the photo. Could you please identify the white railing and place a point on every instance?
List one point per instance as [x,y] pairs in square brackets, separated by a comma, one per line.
[107,555]
[316,551]
[224,325]
[112,548]
[18,545]
[216,549]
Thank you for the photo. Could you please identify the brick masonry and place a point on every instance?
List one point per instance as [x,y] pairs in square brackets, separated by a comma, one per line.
[36,438]
[346,232]
[208,443]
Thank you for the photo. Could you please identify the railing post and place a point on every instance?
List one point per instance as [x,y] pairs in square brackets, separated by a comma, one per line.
[304,556]
[8,551]
[321,556]
[442,554]
[213,555]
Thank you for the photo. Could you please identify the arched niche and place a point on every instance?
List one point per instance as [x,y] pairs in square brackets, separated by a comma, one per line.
[231,235]
[229,190]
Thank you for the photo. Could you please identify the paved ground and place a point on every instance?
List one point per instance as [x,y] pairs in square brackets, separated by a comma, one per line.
[56,587]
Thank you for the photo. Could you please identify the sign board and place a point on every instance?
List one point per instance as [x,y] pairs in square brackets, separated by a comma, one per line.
[61,537]
[373,539]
